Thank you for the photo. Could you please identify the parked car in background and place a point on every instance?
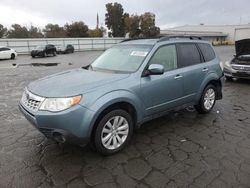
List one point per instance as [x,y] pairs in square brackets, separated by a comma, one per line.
[44,50]
[65,49]
[129,84]
[7,53]
[239,66]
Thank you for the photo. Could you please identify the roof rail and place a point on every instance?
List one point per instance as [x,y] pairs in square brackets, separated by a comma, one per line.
[165,38]
[138,38]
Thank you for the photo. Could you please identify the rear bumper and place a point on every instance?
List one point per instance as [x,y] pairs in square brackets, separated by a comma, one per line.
[72,125]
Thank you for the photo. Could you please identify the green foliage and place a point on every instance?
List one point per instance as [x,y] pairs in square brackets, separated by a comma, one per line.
[35,32]
[76,29]
[147,25]
[95,33]
[54,31]
[18,31]
[114,19]
[132,25]
[3,30]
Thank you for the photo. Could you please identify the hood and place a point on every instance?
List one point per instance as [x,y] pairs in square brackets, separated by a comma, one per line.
[72,82]
[242,47]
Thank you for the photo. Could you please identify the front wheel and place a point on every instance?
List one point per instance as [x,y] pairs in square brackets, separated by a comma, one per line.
[113,132]
[12,56]
[207,100]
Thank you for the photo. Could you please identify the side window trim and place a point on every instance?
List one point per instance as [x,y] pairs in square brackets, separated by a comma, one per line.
[146,67]
[201,54]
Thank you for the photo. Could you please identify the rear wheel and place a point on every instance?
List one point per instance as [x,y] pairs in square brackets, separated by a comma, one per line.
[207,100]
[12,56]
[113,132]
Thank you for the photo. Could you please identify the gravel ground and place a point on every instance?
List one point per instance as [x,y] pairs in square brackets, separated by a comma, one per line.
[182,149]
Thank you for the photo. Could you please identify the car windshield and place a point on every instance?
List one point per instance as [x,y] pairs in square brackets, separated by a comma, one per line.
[40,47]
[123,58]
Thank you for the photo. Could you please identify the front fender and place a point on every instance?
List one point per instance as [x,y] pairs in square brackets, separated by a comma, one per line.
[115,97]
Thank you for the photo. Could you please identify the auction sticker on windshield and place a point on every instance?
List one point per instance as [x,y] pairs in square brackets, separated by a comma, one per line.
[139,53]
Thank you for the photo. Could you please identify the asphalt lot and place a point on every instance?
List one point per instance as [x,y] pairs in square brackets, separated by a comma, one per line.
[182,149]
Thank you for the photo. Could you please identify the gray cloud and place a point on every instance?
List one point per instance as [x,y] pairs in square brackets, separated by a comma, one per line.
[168,12]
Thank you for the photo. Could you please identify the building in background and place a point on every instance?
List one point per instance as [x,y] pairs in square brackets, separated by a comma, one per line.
[213,33]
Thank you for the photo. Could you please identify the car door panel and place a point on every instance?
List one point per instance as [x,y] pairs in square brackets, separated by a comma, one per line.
[193,70]
[161,92]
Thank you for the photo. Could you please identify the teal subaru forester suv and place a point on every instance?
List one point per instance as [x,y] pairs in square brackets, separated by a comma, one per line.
[129,84]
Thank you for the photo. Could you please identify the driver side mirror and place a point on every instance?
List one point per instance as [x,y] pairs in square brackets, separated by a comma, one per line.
[154,69]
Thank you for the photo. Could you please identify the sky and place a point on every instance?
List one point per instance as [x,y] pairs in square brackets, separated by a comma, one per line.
[169,13]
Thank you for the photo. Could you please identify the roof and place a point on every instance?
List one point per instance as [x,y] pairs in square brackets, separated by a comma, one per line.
[141,41]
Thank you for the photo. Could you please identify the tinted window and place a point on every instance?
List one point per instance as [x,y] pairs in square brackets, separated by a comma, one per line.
[188,54]
[4,49]
[207,51]
[165,56]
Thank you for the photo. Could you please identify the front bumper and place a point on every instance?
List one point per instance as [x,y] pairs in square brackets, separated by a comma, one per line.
[71,125]
[236,73]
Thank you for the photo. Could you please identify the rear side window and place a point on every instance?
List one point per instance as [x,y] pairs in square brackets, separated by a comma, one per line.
[4,49]
[166,56]
[207,51]
[188,54]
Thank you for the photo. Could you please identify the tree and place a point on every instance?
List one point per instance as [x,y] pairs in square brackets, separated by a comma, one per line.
[114,19]
[18,31]
[35,32]
[76,29]
[3,31]
[95,33]
[132,25]
[147,25]
[54,31]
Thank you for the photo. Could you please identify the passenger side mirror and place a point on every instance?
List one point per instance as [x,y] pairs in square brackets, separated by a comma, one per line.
[154,69]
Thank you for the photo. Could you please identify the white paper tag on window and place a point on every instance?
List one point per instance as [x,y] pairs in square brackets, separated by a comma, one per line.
[139,53]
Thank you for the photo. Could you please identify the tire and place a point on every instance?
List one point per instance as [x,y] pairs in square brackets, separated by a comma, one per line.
[106,135]
[230,79]
[54,53]
[206,103]
[44,54]
[33,56]
[12,56]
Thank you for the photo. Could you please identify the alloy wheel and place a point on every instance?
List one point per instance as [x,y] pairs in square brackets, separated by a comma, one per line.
[114,132]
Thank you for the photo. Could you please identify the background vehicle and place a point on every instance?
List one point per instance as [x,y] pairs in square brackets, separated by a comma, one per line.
[65,49]
[7,53]
[239,66]
[129,84]
[44,51]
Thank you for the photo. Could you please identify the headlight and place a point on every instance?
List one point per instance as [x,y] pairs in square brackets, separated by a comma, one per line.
[228,64]
[59,104]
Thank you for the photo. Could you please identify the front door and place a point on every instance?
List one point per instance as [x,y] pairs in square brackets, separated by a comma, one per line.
[162,92]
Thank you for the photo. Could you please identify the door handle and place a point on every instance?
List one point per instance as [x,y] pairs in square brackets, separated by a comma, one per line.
[204,69]
[177,77]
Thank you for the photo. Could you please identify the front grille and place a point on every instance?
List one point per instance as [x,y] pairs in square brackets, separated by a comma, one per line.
[241,67]
[241,75]
[30,101]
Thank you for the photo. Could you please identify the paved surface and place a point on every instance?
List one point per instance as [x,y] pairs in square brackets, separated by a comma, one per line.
[183,149]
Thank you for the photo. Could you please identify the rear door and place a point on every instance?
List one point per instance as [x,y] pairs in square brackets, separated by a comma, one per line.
[191,64]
